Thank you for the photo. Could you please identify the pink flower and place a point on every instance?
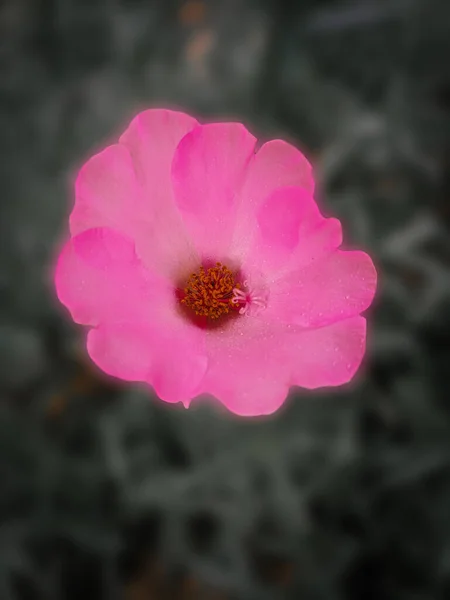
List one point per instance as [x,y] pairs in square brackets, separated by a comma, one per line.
[153,217]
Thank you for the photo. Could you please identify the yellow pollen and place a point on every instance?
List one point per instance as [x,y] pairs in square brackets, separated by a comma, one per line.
[209,292]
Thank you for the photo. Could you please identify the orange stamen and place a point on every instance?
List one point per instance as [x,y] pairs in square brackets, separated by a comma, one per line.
[210,291]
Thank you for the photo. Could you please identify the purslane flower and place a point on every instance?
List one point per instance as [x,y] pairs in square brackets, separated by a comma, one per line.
[202,266]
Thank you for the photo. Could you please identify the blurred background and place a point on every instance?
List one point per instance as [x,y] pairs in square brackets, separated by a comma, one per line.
[106,493]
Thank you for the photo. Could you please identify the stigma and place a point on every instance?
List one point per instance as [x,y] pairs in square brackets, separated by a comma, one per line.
[250,301]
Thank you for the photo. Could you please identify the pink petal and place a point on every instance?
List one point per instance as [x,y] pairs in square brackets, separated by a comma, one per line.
[245,369]
[276,165]
[122,350]
[128,187]
[107,193]
[167,355]
[152,138]
[140,334]
[207,172]
[337,287]
[290,232]
[252,363]
[100,278]
[280,216]
[328,356]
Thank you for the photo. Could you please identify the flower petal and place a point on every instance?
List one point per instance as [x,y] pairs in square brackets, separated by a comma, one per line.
[122,350]
[170,359]
[128,187]
[152,138]
[328,356]
[252,364]
[339,286]
[276,165]
[100,278]
[207,172]
[245,370]
[140,334]
[290,232]
[107,193]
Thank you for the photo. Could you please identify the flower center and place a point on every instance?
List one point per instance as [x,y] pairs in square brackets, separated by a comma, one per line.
[214,292]
[209,292]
